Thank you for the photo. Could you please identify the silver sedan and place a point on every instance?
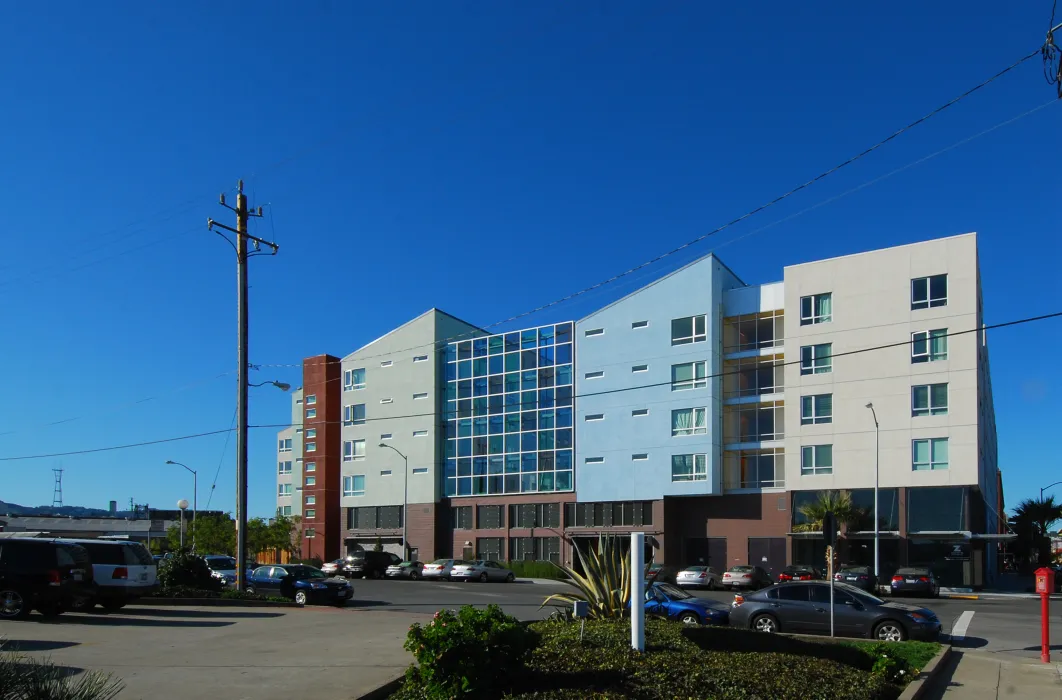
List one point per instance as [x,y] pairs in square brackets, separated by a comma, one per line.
[481,570]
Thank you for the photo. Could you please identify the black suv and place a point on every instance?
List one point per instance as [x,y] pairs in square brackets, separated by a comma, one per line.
[46,575]
[367,564]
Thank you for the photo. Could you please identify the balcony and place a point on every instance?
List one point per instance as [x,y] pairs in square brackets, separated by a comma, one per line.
[749,425]
[754,470]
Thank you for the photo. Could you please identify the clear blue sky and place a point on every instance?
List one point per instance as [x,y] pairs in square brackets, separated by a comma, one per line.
[480,157]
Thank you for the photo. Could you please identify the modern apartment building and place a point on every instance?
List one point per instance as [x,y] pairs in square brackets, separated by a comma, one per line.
[666,411]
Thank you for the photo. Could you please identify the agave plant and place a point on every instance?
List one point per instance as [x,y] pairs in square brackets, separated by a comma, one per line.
[24,678]
[605,584]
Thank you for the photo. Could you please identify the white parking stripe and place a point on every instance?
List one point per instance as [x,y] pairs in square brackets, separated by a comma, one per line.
[958,630]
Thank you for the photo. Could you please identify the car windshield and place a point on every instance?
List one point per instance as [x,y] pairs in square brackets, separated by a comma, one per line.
[407,564]
[304,572]
[860,594]
[741,569]
[673,592]
[221,563]
[910,571]
[441,562]
[854,570]
[696,569]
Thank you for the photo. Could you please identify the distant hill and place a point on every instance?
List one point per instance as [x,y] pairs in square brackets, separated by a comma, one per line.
[65,511]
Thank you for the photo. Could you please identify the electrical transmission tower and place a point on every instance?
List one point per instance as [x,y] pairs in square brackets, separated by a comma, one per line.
[57,493]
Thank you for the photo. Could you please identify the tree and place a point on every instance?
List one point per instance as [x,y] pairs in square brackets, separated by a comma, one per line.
[1031,522]
[837,502]
[378,547]
[212,534]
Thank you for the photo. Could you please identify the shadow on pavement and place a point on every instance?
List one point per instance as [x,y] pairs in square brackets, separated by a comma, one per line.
[116,621]
[28,645]
[944,679]
[178,612]
[970,643]
[355,604]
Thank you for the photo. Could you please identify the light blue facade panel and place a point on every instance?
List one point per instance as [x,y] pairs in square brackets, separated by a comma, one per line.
[637,332]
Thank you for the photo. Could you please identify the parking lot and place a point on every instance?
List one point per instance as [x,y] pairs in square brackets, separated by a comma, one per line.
[332,653]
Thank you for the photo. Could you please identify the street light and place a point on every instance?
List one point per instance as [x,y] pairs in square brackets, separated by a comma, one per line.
[405,495]
[877,535]
[283,386]
[183,505]
[1047,487]
[195,497]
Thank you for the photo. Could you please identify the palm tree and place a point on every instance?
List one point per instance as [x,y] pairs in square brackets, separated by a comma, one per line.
[1032,521]
[837,502]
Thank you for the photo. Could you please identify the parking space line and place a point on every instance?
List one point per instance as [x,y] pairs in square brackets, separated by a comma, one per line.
[958,630]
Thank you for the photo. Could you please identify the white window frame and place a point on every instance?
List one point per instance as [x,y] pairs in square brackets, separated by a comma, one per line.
[385,472]
[693,429]
[930,409]
[310,467]
[639,368]
[593,416]
[635,325]
[694,383]
[387,363]
[311,480]
[818,360]
[925,338]
[639,456]
[929,302]
[811,318]
[697,337]
[420,433]
[348,414]
[348,379]
[281,465]
[592,332]
[311,412]
[420,470]
[420,358]
[311,400]
[311,514]
[386,436]
[348,486]
[311,433]
[285,510]
[700,468]
[639,413]
[310,533]
[311,500]
[933,464]
[387,400]
[810,411]
[594,460]
[596,374]
[311,446]
[810,456]
[284,490]
[284,445]
[420,395]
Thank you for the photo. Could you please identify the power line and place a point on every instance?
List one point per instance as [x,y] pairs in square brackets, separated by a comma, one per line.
[224,450]
[114,447]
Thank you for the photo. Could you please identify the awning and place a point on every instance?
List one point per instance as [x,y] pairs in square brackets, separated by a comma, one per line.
[1002,537]
[869,534]
[940,535]
[809,535]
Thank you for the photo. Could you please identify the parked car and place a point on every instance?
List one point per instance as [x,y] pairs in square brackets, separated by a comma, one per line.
[46,575]
[481,570]
[123,572]
[915,580]
[661,573]
[698,577]
[858,576]
[805,607]
[799,573]
[751,577]
[222,567]
[367,564]
[666,600]
[441,568]
[412,570]
[332,568]
[303,584]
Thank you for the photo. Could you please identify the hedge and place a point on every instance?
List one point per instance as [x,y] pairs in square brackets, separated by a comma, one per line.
[535,569]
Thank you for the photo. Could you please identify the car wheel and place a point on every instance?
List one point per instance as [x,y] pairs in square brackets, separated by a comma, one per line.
[113,605]
[12,605]
[510,578]
[413,575]
[483,577]
[689,618]
[765,623]
[889,631]
[376,573]
[249,590]
[300,598]
[82,604]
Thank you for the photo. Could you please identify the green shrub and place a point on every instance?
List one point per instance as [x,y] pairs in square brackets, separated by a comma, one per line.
[468,653]
[23,678]
[605,583]
[186,570]
[536,569]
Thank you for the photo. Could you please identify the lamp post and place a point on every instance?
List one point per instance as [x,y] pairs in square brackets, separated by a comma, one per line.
[405,495]
[183,505]
[877,534]
[195,498]
[1047,487]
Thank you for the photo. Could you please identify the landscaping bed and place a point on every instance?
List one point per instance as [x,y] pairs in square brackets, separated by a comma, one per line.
[469,655]
[208,596]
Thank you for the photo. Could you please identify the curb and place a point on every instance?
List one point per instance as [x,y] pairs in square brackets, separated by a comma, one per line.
[383,691]
[540,580]
[996,596]
[211,602]
[920,686]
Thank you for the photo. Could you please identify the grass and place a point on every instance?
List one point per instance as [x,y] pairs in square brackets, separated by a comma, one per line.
[535,569]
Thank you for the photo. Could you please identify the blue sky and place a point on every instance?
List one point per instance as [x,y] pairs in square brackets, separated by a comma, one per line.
[484,158]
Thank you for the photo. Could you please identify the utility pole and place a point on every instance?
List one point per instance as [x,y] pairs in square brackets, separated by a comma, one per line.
[240,246]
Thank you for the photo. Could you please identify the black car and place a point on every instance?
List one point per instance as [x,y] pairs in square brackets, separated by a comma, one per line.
[303,584]
[367,564]
[799,573]
[805,607]
[858,576]
[915,580]
[45,575]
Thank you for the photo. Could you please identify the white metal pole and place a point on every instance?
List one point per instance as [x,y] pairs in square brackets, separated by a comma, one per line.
[877,525]
[638,591]
[182,528]
[405,507]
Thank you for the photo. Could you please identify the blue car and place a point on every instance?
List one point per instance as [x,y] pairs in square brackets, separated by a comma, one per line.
[667,600]
[303,584]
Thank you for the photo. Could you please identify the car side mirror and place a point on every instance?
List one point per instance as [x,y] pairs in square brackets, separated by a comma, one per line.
[854,603]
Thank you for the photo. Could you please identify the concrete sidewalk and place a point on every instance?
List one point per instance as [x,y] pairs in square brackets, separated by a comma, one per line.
[972,676]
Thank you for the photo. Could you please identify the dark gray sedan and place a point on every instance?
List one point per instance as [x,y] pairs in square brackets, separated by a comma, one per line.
[915,580]
[805,607]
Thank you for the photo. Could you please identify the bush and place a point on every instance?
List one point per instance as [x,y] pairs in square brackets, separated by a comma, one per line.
[536,569]
[32,679]
[186,570]
[469,653]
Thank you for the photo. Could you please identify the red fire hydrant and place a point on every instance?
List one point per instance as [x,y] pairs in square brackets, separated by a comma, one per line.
[1045,586]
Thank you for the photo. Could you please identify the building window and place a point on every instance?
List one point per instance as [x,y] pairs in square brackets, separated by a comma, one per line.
[639,324]
[640,456]
[593,331]
[420,433]
[639,412]
[688,421]
[609,514]
[386,363]
[310,533]
[528,515]
[420,470]
[353,449]
[929,454]
[311,500]
[594,375]
[754,331]
[283,467]
[689,467]
[461,517]
[754,469]
[311,447]
[929,400]
[311,400]
[690,329]
[354,414]
[817,308]
[310,513]
[354,485]
[755,422]
[816,460]
[535,549]
[816,359]
[929,346]
[311,412]
[689,375]
[385,472]
[420,358]
[311,466]
[594,416]
[928,292]
[361,518]
[311,481]
[285,511]
[490,517]
[594,460]
[283,489]
[311,433]
[388,400]
[640,368]
[420,395]
[284,445]
[353,379]
[490,548]
[816,409]
[385,436]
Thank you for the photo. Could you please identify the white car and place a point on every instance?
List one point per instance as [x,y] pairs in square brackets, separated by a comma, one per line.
[440,568]
[481,570]
[123,570]
[698,577]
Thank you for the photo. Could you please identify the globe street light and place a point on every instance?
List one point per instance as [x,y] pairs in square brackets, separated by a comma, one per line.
[183,505]
[195,496]
[405,495]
